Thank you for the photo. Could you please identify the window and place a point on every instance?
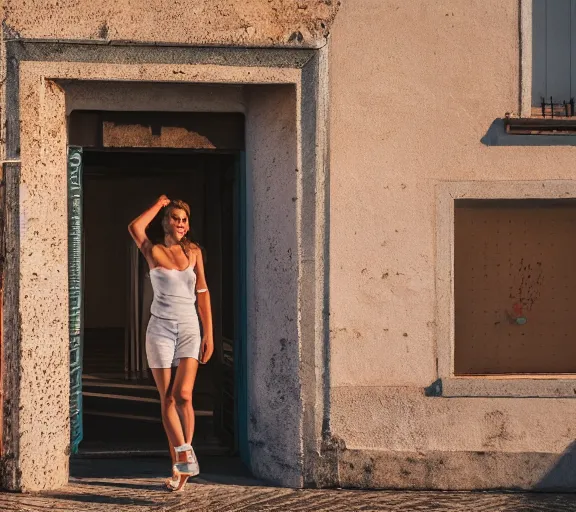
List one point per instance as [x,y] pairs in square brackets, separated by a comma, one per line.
[553,58]
[501,329]
[514,286]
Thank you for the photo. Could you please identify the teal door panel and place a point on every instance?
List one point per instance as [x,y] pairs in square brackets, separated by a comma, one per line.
[75,292]
[241,360]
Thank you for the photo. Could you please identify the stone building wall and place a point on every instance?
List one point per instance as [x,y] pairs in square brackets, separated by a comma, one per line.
[415,107]
[415,100]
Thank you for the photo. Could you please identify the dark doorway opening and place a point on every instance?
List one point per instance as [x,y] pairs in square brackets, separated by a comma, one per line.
[121,408]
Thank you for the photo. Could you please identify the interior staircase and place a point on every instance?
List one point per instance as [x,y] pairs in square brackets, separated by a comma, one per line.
[122,416]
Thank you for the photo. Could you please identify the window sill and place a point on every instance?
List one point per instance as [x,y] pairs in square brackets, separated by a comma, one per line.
[505,386]
[498,136]
[540,126]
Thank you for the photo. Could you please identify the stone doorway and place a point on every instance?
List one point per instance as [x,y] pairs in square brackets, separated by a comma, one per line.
[120,402]
[282,95]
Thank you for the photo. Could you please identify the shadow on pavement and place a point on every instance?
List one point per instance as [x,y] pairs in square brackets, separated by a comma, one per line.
[100,498]
[562,476]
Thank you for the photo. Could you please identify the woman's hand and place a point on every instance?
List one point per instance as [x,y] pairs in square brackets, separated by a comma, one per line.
[163,201]
[206,349]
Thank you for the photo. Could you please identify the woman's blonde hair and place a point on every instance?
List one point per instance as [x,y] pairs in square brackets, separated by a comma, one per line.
[177,204]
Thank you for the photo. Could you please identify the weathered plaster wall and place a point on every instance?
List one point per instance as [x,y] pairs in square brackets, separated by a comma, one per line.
[225,22]
[409,109]
[272,274]
[167,97]
[43,402]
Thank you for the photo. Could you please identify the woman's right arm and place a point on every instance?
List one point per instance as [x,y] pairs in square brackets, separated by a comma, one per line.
[137,228]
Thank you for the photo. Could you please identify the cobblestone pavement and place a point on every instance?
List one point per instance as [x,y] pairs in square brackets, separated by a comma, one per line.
[124,489]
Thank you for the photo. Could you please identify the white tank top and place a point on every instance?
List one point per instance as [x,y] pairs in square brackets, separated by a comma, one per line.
[174,293]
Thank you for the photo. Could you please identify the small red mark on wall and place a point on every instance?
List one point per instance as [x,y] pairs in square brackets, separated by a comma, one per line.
[519,319]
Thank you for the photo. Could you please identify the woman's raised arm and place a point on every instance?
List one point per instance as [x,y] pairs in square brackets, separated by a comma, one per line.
[137,228]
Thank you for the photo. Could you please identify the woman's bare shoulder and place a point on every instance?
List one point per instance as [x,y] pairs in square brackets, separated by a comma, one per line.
[156,249]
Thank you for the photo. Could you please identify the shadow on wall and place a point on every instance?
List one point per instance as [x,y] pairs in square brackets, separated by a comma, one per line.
[497,136]
[562,475]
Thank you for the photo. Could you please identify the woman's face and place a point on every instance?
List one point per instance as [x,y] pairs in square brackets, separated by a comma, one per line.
[176,224]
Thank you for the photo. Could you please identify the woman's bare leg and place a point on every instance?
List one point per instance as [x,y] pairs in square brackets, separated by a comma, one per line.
[172,452]
[170,445]
[182,393]
[170,419]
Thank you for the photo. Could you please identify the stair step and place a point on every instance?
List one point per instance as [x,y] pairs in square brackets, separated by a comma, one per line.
[137,409]
[202,398]
[123,397]
[94,412]
[200,450]
[122,416]
[99,399]
[120,385]
[97,449]
[204,380]
[155,419]
[130,428]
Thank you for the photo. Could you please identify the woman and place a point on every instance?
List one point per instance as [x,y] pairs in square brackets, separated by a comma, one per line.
[173,334]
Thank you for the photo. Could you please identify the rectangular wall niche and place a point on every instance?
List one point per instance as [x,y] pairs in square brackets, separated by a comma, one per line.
[515,286]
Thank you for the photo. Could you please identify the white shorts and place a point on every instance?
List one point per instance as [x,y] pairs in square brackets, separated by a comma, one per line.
[168,341]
